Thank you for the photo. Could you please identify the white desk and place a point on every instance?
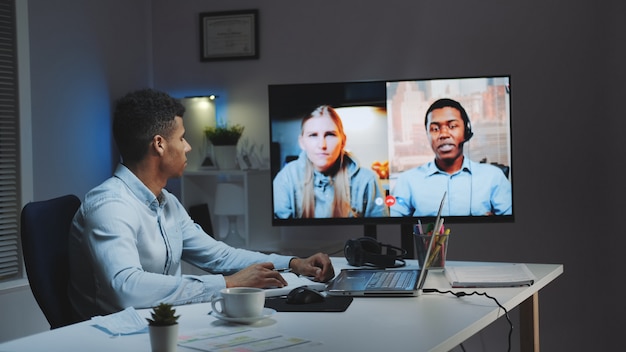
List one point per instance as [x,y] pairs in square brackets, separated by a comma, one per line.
[430,322]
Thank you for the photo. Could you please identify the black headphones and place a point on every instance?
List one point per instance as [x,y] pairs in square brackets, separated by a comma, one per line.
[445,102]
[368,251]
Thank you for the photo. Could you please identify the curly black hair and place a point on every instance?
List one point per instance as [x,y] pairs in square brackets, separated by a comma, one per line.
[138,117]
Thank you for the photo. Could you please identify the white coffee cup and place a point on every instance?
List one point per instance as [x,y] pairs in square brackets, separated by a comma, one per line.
[239,302]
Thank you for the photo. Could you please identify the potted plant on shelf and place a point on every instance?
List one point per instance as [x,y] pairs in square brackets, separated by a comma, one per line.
[163,328]
[224,139]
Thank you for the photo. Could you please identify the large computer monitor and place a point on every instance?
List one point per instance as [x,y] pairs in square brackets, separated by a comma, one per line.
[414,156]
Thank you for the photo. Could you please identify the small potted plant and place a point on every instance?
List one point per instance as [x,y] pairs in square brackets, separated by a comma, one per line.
[224,134]
[224,139]
[163,328]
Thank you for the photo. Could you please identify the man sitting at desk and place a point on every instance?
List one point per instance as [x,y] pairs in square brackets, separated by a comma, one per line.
[129,236]
[473,188]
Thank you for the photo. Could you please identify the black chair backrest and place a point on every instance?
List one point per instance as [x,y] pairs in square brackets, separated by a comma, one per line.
[45,227]
[201,215]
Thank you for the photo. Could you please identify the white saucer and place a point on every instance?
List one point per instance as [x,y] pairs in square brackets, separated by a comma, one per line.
[266,313]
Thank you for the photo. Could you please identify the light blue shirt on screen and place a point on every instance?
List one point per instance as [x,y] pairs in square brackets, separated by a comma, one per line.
[477,189]
[364,191]
[126,247]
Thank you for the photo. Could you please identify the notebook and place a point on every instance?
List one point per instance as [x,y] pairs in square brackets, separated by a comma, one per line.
[497,275]
[382,282]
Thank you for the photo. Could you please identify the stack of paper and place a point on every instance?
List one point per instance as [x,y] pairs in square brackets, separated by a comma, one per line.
[497,275]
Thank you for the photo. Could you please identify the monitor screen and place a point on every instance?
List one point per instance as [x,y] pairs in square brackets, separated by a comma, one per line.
[386,151]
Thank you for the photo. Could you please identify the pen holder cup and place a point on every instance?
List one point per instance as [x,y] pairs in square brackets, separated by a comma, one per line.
[438,252]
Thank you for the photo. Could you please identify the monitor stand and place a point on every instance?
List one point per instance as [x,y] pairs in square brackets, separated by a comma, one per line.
[407,240]
[369,230]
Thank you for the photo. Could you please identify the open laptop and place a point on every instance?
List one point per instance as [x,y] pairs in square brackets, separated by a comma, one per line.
[379,282]
[383,282]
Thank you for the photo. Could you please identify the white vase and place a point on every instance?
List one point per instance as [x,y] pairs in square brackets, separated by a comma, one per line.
[163,338]
[226,156]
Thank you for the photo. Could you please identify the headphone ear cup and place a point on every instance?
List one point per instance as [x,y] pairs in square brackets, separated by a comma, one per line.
[361,251]
[368,251]
[468,130]
[468,134]
[353,252]
[370,245]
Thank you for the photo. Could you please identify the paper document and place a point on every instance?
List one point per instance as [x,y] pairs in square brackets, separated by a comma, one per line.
[124,322]
[242,339]
[293,281]
[501,275]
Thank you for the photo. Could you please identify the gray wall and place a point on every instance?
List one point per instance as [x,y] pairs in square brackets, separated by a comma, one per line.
[565,58]
[83,55]
[567,77]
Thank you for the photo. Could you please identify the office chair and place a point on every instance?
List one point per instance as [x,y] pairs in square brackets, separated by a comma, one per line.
[45,227]
[202,216]
[505,168]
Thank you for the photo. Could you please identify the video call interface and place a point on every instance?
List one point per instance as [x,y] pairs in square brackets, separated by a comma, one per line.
[384,123]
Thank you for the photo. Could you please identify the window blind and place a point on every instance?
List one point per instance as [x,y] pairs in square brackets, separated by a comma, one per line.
[10,250]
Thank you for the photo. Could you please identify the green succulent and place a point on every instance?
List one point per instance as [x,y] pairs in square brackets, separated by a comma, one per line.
[163,315]
[224,135]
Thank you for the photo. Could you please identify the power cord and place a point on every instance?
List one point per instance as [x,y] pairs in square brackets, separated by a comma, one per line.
[463,294]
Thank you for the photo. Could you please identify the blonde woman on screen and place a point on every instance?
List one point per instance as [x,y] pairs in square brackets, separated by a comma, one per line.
[326,181]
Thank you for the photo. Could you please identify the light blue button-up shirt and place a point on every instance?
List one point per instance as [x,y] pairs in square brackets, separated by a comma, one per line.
[476,189]
[126,247]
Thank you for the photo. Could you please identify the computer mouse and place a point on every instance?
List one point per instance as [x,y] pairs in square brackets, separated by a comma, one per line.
[304,295]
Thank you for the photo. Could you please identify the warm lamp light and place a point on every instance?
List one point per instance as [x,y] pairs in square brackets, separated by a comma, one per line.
[230,202]
[202,102]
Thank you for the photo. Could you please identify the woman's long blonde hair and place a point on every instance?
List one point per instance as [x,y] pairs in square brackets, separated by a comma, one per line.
[338,173]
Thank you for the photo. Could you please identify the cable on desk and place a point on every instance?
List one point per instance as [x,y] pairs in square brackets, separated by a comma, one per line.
[460,294]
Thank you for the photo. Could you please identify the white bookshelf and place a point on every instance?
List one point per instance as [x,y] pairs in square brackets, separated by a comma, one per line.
[255,226]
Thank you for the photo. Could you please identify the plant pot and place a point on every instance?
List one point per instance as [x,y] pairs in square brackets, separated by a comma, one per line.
[163,338]
[226,156]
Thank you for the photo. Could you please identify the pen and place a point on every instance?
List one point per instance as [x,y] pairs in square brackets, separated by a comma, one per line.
[417,229]
[439,244]
[283,270]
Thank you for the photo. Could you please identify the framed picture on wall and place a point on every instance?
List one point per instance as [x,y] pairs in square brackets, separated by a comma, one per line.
[229,35]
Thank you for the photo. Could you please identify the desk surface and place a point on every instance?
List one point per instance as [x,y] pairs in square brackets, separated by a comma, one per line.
[430,322]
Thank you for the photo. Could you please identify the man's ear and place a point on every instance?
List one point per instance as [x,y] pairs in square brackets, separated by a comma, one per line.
[158,144]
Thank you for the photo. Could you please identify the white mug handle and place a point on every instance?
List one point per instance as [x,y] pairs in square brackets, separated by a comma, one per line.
[216,300]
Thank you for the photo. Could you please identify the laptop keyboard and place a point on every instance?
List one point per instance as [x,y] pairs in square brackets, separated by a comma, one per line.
[389,279]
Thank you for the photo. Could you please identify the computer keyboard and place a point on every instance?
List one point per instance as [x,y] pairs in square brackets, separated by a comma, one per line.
[389,279]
